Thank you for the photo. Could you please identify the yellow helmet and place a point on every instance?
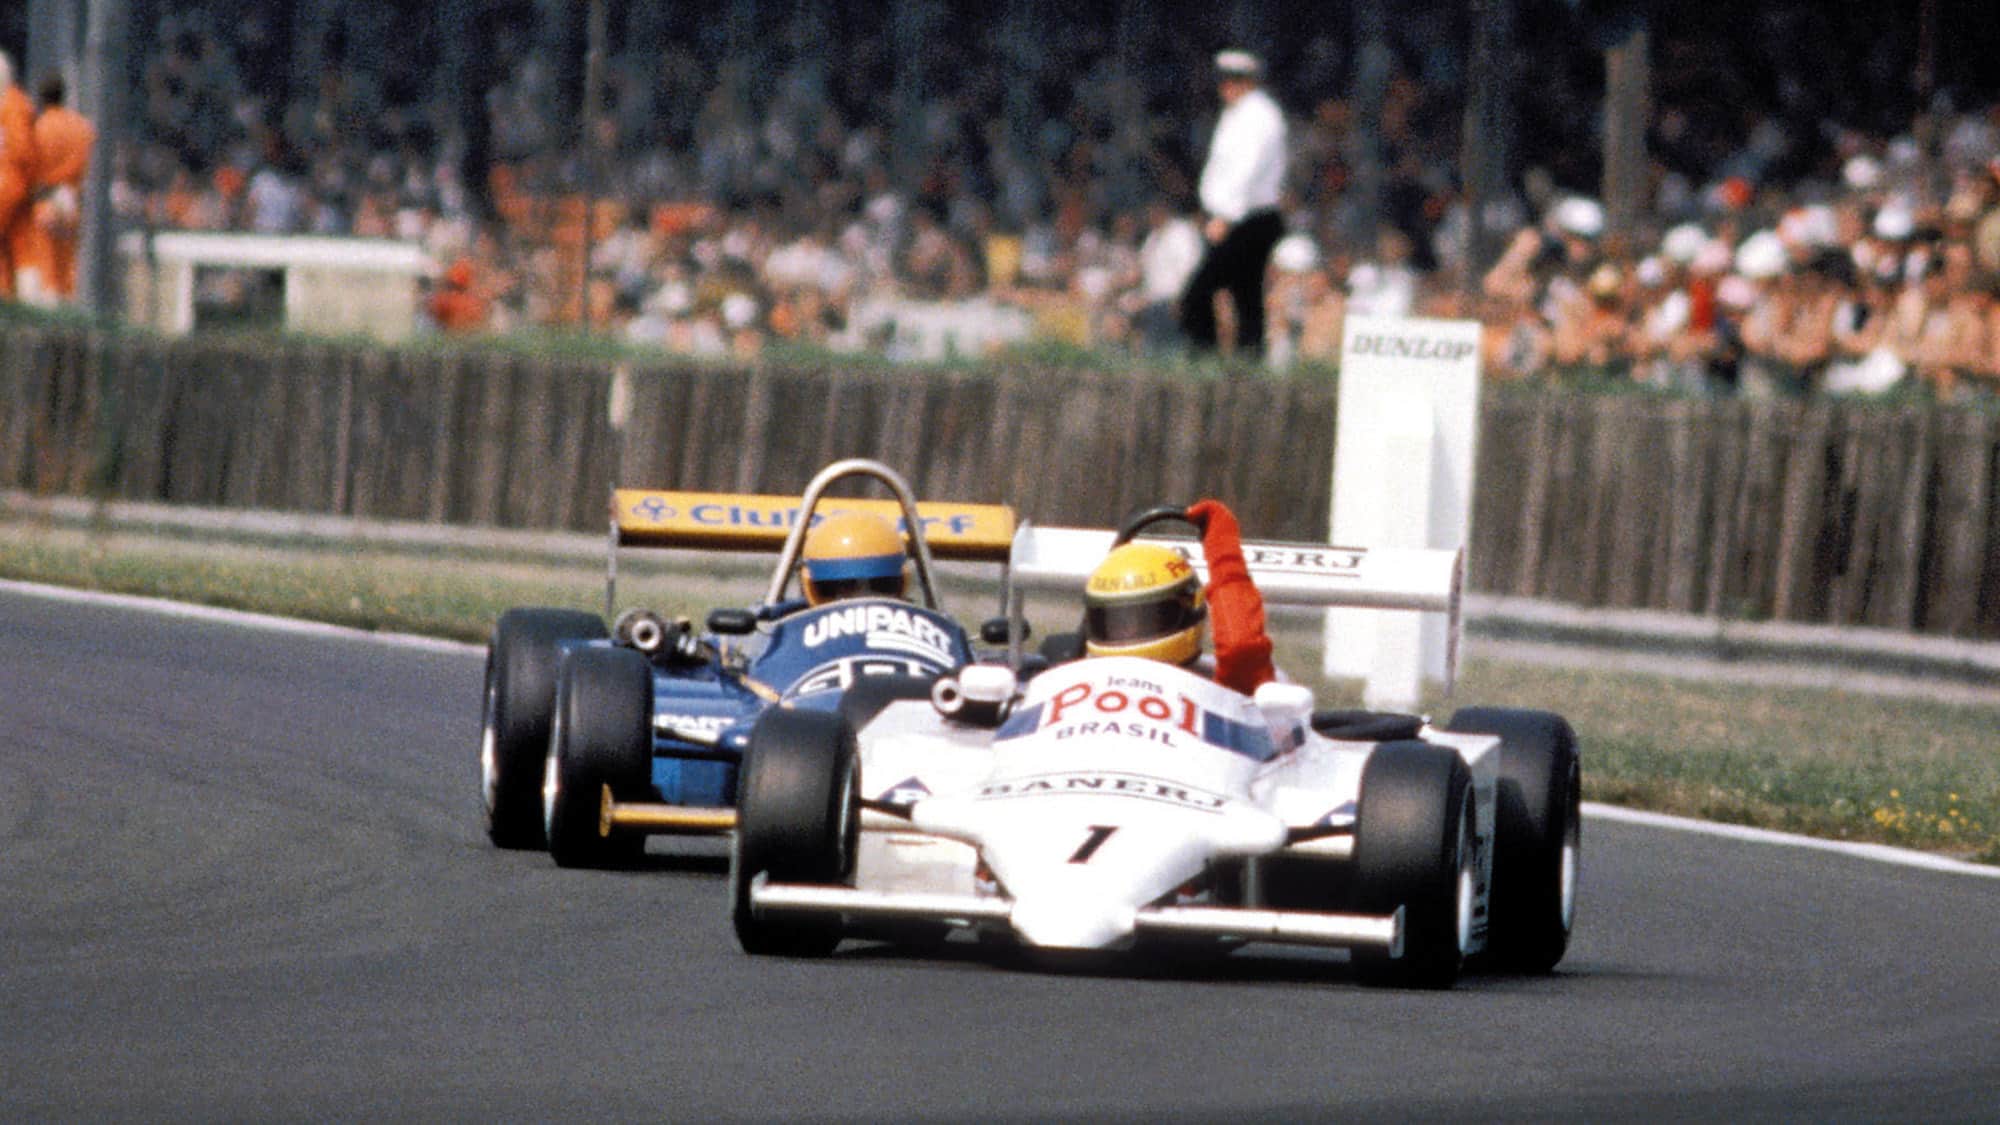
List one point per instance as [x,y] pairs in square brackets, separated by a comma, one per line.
[1144,600]
[852,555]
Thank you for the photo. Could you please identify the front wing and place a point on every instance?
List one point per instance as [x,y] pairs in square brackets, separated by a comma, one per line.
[1285,927]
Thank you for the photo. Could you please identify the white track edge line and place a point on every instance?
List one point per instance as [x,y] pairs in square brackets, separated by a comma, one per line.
[170,608]
[1880,853]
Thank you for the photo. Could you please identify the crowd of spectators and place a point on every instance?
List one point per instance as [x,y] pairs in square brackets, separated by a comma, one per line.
[1879,282]
[777,188]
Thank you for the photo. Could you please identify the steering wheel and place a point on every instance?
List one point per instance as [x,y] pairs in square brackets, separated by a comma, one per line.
[1147,517]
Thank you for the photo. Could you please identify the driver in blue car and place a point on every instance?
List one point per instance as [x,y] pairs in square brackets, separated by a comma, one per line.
[1145,600]
[853,555]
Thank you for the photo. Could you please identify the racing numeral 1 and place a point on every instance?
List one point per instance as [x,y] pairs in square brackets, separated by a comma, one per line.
[1098,834]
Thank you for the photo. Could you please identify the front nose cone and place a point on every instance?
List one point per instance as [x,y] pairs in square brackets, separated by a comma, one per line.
[1057,921]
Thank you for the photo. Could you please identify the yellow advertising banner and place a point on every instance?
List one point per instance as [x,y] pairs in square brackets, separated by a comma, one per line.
[743,522]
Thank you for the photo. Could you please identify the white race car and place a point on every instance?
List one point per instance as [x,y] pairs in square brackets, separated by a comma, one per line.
[1119,804]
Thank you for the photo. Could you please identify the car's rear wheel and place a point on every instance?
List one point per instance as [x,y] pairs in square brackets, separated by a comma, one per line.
[798,821]
[603,736]
[1538,834]
[1415,848]
[522,663]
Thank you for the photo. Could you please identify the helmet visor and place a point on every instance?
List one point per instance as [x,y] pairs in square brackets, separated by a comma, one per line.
[839,589]
[1118,623]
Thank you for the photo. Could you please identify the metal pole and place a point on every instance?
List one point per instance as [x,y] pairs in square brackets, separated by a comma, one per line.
[1925,78]
[1371,85]
[1928,126]
[101,97]
[907,19]
[591,151]
[1475,166]
[55,35]
[1024,59]
[1626,78]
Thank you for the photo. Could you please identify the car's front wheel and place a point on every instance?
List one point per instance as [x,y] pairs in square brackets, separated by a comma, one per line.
[798,821]
[1415,847]
[603,737]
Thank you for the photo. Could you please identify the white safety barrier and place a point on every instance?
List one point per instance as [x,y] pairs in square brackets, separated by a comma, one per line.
[332,286]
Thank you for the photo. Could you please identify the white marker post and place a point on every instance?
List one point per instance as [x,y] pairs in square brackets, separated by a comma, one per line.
[1404,443]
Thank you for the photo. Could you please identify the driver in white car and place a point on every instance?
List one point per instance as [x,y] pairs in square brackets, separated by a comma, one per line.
[1145,600]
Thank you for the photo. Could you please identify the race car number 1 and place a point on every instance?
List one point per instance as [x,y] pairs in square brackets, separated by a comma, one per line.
[1093,841]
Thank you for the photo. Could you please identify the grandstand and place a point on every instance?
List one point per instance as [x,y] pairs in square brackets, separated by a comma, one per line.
[753,172]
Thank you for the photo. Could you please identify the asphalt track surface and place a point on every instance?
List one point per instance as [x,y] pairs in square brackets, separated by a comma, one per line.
[242,877]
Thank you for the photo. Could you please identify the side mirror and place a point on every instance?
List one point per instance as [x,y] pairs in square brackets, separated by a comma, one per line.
[980,694]
[1287,710]
[993,630]
[731,622]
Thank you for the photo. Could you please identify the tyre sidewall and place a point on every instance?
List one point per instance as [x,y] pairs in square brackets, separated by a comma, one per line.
[1413,848]
[1537,820]
[602,736]
[523,661]
[798,821]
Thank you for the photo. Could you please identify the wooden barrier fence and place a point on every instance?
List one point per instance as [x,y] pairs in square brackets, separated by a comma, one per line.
[1834,512]
[1813,511]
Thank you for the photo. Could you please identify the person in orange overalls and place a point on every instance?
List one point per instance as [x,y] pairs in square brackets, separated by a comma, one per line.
[17,168]
[458,305]
[45,257]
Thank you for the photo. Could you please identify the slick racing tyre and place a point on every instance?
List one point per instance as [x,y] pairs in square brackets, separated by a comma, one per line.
[798,821]
[1537,839]
[603,737]
[1415,848]
[519,703]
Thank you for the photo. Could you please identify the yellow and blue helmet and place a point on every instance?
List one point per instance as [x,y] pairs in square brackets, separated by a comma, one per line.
[852,555]
[1144,600]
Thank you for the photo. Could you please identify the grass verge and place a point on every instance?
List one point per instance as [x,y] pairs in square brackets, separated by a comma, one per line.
[1825,763]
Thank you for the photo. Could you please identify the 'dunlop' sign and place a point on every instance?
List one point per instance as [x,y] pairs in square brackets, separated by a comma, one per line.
[1410,345]
[1402,477]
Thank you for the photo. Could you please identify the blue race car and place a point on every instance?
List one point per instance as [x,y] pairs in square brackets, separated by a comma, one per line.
[594,738]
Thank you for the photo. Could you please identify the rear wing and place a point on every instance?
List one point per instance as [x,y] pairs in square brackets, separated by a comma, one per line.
[729,521]
[1298,574]
[724,521]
